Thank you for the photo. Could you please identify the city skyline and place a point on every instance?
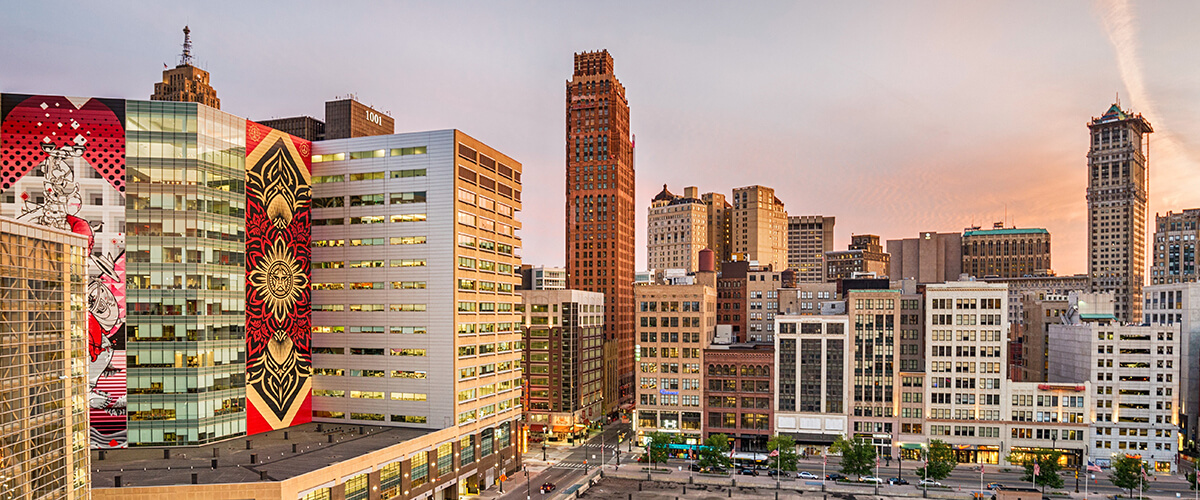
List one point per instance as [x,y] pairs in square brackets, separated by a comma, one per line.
[965,108]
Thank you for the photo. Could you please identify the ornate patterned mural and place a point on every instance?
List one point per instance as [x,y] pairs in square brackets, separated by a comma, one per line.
[278,293]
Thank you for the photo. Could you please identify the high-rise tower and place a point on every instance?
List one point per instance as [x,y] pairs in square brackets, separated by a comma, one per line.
[185,82]
[1117,196]
[600,209]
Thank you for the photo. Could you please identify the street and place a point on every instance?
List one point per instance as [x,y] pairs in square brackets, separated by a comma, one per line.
[567,469]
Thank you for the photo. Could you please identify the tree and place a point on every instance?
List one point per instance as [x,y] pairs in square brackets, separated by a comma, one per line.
[657,446]
[1127,472]
[1191,479]
[858,456]
[787,451]
[1047,467]
[940,462]
[715,452]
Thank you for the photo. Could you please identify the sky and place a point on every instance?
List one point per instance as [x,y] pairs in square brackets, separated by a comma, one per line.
[895,117]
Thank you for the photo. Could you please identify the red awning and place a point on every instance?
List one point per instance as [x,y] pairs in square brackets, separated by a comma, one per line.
[537,427]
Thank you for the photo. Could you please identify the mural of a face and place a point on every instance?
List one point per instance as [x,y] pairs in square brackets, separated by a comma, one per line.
[103,304]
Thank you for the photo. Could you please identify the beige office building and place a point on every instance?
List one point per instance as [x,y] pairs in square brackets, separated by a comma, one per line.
[43,362]
[720,225]
[865,256]
[676,230]
[809,237]
[675,324]
[759,227]
[929,258]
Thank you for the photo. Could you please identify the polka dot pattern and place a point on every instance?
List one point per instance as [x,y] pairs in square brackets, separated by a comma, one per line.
[56,120]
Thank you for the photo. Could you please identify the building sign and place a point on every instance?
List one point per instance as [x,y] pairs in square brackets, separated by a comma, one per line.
[374,117]
[1051,387]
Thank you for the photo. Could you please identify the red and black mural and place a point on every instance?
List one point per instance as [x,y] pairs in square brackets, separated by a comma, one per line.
[278,293]
[63,159]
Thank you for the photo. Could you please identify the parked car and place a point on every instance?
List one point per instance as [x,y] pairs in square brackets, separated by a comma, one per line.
[833,476]
[870,479]
[897,481]
[695,468]
[928,482]
[747,472]
[994,486]
[547,487]
[807,475]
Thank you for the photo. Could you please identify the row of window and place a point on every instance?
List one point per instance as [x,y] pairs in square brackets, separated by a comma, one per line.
[377,285]
[377,153]
[482,412]
[396,396]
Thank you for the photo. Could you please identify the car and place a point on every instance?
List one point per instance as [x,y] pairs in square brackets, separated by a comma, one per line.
[896,480]
[994,486]
[833,476]
[547,487]
[928,482]
[695,468]
[774,473]
[807,475]
[747,472]
[870,479]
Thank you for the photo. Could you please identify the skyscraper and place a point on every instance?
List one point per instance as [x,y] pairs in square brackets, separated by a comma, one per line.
[676,230]
[185,82]
[760,227]
[1117,197]
[600,205]
[1174,248]
[809,237]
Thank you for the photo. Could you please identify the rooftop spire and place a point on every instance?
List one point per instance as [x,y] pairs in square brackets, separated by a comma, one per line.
[186,57]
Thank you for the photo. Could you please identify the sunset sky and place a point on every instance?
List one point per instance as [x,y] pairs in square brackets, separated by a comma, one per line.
[895,117]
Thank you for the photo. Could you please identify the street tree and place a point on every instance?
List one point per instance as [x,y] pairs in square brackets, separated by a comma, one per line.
[715,452]
[858,456]
[657,446]
[1128,472]
[941,461]
[1045,463]
[786,458]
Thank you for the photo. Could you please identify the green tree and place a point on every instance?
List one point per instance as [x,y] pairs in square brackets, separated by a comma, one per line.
[941,461]
[787,451]
[858,456]
[1047,465]
[1191,479]
[1127,472]
[715,452]
[657,447]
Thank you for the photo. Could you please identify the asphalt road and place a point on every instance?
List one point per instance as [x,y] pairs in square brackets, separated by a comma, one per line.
[571,468]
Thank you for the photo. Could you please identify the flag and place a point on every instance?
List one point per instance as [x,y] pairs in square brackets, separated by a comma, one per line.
[1037,470]
[774,453]
[164,65]
[1092,467]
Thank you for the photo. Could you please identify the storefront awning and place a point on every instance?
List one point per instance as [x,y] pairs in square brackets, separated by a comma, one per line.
[537,427]
[562,428]
[812,438]
[911,446]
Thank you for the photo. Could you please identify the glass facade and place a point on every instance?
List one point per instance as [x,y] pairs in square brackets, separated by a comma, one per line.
[185,244]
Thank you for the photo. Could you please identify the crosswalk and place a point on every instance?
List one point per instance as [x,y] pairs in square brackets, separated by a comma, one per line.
[569,465]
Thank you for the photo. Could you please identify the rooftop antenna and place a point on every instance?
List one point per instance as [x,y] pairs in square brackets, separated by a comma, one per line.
[1118,99]
[186,57]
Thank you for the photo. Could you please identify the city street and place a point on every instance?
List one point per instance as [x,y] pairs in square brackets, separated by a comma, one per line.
[564,466]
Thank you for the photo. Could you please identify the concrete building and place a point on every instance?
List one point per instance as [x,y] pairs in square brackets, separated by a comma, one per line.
[1047,284]
[762,303]
[1174,247]
[813,377]
[809,237]
[720,225]
[807,298]
[676,230]
[675,327]
[543,278]
[759,227]
[1117,196]
[965,351]
[865,256]
[1005,252]
[1179,304]
[929,258]
[564,356]
[875,315]
[185,82]
[738,388]
[416,269]
[1029,346]
[1135,371]
[43,362]
[600,228]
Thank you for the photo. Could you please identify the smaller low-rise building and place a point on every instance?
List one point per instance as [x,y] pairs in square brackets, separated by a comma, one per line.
[812,360]
[738,382]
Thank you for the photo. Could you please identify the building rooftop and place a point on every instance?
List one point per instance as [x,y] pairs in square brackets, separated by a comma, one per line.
[1010,230]
[314,450]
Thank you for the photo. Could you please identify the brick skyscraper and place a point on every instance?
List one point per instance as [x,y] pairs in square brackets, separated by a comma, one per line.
[600,208]
[1117,196]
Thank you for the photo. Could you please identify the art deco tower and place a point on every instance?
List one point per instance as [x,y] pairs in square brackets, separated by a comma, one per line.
[600,208]
[1117,195]
[186,82]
